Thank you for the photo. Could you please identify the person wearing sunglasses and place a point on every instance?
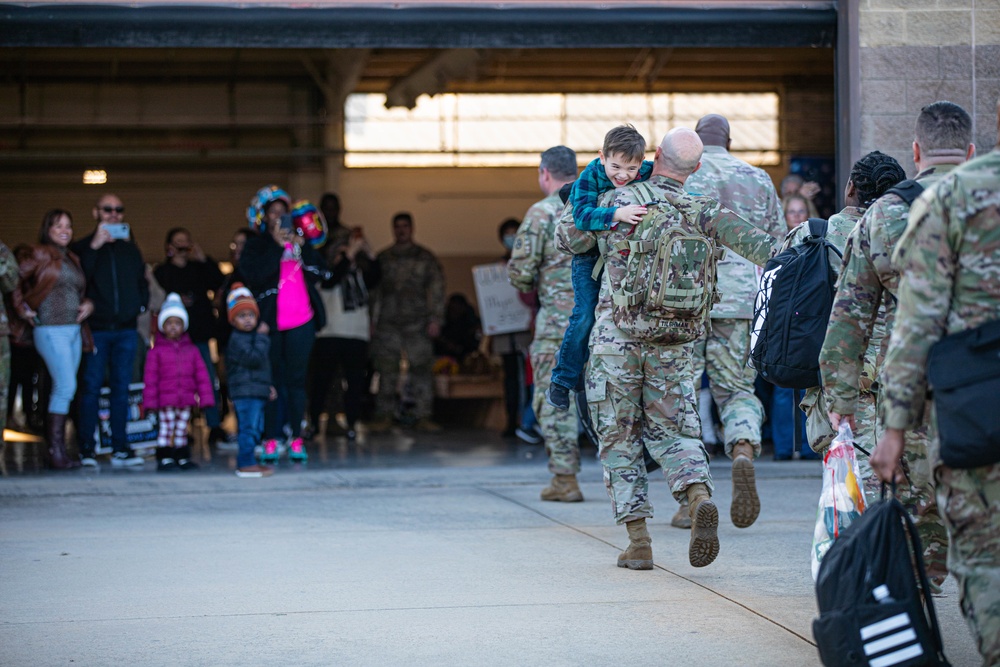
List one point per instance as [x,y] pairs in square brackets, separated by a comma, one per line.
[192,274]
[116,284]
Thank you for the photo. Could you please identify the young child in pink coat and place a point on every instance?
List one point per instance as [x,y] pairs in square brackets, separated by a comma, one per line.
[176,381]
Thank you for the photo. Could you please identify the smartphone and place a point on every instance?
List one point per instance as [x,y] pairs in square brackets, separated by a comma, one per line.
[286,222]
[118,230]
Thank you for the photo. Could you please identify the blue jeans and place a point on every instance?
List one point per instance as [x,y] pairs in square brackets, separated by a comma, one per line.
[575,347]
[250,422]
[61,347]
[781,423]
[117,349]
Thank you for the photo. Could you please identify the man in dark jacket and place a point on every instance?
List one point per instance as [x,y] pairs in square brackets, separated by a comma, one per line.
[116,283]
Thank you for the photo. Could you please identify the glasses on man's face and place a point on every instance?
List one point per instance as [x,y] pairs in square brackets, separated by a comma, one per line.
[113,209]
[182,248]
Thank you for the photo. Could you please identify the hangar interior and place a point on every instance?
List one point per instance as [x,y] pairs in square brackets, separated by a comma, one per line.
[187,134]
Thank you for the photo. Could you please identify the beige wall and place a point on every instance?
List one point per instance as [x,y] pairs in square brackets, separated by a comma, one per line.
[914,52]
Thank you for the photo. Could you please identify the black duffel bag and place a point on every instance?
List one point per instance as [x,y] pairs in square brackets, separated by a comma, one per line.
[964,373]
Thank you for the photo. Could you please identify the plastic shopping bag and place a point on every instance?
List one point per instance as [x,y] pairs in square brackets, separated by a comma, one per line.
[842,499]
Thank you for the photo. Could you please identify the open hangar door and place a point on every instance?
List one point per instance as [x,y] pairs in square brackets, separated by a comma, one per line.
[188,109]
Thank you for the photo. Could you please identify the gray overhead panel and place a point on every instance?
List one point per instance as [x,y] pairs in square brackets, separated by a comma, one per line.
[443,24]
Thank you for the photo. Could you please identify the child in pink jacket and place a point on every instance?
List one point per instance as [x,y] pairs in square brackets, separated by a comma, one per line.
[176,380]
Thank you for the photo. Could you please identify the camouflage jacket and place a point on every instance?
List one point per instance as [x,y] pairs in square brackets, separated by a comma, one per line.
[411,292]
[700,215]
[536,263]
[749,192]
[865,305]
[8,282]
[949,258]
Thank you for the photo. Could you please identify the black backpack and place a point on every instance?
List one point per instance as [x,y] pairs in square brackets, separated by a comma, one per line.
[792,311]
[874,600]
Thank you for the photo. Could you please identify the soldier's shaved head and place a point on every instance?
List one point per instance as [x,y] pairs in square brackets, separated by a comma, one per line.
[680,153]
[713,130]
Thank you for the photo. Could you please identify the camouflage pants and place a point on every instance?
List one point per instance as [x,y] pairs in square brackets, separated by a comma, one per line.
[4,382]
[821,434]
[559,427]
[970,503]
[918,497]
[387,346]
[722,352]
[644,395]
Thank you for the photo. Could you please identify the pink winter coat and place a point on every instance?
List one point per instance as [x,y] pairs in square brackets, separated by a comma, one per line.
[175,375]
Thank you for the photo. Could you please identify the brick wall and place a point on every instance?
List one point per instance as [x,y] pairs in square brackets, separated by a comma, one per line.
[914,52]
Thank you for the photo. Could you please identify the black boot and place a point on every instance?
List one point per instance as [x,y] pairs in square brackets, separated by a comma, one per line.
[57,443]
[165,461]
[184,461]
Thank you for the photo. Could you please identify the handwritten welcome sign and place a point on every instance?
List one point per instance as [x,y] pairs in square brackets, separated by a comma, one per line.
[500,307]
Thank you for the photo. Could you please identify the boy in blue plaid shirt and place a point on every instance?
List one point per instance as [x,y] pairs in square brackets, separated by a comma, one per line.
[619,163]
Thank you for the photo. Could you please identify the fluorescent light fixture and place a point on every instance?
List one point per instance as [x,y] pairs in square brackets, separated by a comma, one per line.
[95,177]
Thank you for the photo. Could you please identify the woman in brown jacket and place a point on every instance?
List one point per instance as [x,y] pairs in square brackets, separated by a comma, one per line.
[50,296]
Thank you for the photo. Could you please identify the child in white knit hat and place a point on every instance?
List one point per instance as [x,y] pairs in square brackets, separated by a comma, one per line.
[176,381]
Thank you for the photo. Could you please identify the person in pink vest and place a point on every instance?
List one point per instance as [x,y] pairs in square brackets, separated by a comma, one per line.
[176,381]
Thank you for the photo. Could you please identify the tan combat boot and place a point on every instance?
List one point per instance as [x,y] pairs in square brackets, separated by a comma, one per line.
[639,554]
[683,517]
[704,545]
[746,503]
[563,489]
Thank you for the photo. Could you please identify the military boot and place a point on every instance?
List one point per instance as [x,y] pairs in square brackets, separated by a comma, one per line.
[639,554]
[746,503]
[683,517]
[704,545]
[563,489]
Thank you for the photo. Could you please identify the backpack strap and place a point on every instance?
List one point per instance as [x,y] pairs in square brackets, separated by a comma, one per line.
[818,227]
[907,190]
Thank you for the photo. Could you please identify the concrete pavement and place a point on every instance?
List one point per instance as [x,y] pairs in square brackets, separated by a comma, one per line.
[399,553]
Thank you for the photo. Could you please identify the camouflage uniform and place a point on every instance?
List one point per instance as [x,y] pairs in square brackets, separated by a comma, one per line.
[948,257]
[8,281]
[409,297]
[814,403]
[866,301]
[536,263]
[643,394]
[748,192]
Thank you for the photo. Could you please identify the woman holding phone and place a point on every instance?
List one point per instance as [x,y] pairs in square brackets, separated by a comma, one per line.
[282,271]
[50,297]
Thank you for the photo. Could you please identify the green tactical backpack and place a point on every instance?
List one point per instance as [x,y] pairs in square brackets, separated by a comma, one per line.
[661,277]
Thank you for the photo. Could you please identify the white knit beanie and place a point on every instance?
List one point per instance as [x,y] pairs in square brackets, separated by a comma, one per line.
[172,307]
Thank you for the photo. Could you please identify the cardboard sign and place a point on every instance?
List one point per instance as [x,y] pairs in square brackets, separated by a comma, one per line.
[140,432]
[500,307]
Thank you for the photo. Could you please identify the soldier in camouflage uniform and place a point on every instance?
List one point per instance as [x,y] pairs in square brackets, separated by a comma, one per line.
[407,315]
[866,300]
[722,352]
[8,281]
[643,394]
[948,257]
[870,177]
[536,263]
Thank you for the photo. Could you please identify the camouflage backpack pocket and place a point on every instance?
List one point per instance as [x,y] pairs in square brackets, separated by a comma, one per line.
[662,285]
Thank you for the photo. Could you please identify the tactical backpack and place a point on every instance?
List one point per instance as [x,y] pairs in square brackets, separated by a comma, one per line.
[661,277]
[875,605]
[792,310]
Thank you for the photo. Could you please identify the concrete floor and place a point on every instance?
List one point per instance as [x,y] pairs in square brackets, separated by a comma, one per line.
[400,550]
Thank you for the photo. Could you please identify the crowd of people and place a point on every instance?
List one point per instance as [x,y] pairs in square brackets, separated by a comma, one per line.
[636,342]
[308,302]
[305,290]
